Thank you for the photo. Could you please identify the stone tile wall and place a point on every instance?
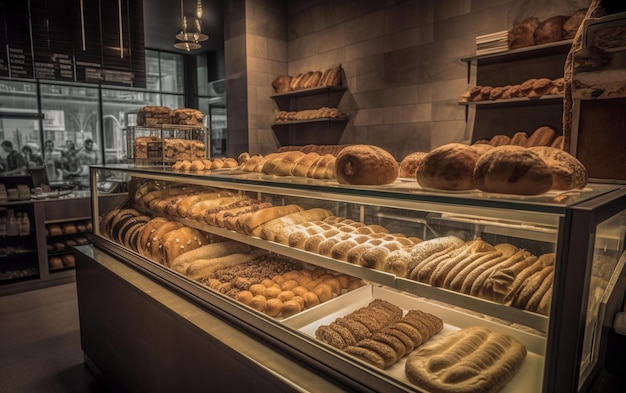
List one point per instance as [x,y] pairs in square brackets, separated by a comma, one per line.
[401,61]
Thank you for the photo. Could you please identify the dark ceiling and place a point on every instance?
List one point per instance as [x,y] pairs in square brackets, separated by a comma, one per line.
[162,20]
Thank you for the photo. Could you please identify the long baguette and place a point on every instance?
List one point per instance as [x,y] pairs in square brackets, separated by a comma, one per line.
[221,217]
[530,286]
[266,215]
[209,251]
[275,229]
[204,267]
[428,247]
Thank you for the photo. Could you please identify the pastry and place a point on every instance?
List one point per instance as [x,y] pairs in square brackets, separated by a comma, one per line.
[472,359]
[365,165]
[512,169]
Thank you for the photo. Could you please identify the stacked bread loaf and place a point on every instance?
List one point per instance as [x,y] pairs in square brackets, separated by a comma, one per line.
[281,292]
[541,136]
[473,359]
[306,80]
[187,116]
[309,114]
[151,116]
[501,273]
[157,239]
[320,149]
[293,163]
[530,88]
[504,169]
[531,31]
[379,333]
[206,164]
[172,148]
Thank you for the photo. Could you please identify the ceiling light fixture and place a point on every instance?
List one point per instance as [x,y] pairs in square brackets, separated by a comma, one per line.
[189,38]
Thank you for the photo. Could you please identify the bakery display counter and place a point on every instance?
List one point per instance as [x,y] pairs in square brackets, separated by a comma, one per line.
[379,282]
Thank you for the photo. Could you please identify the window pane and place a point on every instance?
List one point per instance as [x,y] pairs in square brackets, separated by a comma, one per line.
[152,71]
[18,96]
[119,112]
[71,131]
[171,72]
[172,101]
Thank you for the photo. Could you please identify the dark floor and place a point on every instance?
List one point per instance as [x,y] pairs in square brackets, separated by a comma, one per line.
[40,346]
[40,343]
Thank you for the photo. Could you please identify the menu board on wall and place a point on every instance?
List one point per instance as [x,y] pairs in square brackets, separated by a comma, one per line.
[92,41]
[18,39]
[52,40]
[4,59]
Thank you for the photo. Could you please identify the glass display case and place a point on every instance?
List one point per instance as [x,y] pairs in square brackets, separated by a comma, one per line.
[546,271]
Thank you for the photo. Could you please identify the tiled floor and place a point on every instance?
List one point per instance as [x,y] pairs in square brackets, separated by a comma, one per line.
[40,346]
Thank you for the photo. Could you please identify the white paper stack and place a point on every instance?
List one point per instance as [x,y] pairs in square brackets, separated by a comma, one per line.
[492,43]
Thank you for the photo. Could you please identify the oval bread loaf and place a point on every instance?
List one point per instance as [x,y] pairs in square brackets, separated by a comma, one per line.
[365,165]
[512,169]
[567,171]
[448,167]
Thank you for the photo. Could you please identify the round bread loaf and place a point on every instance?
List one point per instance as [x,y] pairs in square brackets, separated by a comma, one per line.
[365,165]
[408,165]
[567,171]
[449,167]
[512,169]
[550,30]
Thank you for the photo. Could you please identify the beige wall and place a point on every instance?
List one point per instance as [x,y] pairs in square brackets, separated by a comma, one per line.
[401,61]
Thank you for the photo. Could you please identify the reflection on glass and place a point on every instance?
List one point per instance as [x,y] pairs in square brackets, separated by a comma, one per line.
[171,68]
[608,246]
[172,101]
[18,96]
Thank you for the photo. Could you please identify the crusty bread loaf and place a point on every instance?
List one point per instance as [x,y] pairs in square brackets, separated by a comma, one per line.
[448,167]
[313,80]
[208,251]
[550,30]
[150,116]
[542,136]
[365,165]
[567,172]
[571,25]
[301,167]
[282,163]
[253,223]
[520,138]
[274,229]
[408,165]
[521,35]
[282,84]
[155,241]
[178,242]
[512,170]
[472,359]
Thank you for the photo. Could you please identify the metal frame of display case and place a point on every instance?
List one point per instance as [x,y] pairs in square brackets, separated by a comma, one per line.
[575,221]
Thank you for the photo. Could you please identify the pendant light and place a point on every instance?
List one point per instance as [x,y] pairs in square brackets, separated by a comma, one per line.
[189,37]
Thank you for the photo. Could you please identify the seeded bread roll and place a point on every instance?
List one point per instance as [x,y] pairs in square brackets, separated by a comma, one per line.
[366,165]
[567,171]
[512,169]
[448,167]
[408,165]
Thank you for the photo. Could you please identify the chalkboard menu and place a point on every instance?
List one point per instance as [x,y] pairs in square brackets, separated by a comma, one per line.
[91,41]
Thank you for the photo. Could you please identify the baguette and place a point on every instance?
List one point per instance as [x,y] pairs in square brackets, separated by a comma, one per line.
[198,210]
[275,229]
[253,223]
[209,251]
[180,208]
[204,267]
[301,167]
[530,286]
[426,248]
[222,216]
[535,299]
